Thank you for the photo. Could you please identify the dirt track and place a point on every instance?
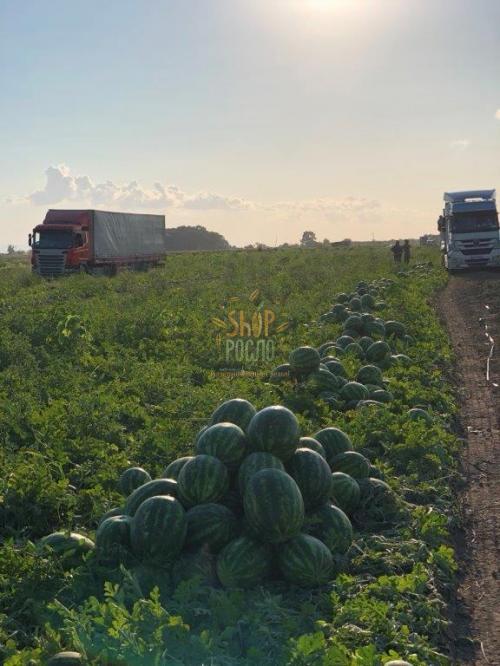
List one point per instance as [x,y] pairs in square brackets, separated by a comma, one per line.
[463,308]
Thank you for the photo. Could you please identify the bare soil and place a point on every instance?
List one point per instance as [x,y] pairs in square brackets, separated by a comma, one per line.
[470,308]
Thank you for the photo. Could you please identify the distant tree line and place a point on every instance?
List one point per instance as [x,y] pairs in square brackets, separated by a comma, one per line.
[194,238]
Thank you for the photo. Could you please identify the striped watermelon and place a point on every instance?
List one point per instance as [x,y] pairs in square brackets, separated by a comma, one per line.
[211,526]
[355,350]
[395,329]
[330,525]
[131,479]
[416,414]
[312,475]
[112,540]
[336,368]
[203,479]
[355,304]
[379,504]
[274,430]
[377,351]
[385,363]
[172,471]
[150,489]
[365,342]
[254,463]
[374,329]
[322,380]
[237,411]
[273,505]
[244,563]
[334,441]
[367,302]
[370,374]
[354,391]
[352,463]
[345,492]
[158,530]
[117,511]
[69,547]
[66,659]
[313,444]
[382,395]
[322,349]
[342,297]
[282,373]
[305,561]
[225,441]
[354,322]
[200,433]
[343,341]
[304,359]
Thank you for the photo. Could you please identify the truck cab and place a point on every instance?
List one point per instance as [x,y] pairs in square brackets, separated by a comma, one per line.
[469,230]
[58,249]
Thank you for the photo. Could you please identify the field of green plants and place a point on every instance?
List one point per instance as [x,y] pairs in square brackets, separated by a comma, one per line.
[101,374]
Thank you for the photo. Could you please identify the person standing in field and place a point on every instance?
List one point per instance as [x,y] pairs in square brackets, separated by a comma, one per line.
[406,252]
[397,251]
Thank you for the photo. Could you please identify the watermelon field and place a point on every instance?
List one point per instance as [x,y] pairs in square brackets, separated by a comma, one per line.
[238,458]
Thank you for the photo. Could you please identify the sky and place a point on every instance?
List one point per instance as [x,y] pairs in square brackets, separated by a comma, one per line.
[258,119]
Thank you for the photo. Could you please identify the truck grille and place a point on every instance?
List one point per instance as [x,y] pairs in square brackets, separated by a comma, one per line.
[50,265]
[477,250]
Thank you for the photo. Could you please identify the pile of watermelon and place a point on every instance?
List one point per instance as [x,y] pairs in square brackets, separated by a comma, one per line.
[255,501]
[365,337]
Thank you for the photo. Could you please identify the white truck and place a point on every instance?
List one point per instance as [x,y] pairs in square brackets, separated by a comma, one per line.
[469,230]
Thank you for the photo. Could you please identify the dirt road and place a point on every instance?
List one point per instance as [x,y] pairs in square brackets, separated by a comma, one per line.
[463,308]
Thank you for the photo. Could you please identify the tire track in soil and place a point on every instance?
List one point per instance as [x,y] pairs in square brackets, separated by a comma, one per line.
[462,307]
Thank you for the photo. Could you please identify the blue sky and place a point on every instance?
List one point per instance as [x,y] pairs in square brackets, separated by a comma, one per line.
[256,118]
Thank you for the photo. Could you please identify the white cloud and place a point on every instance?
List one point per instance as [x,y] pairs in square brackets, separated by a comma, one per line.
[497,114]
[459,144]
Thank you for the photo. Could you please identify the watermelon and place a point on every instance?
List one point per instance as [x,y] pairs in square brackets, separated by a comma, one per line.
[395,329]
[367,302]
[382,396]
[173,469]
[150,489]
[237,411]
[199,564]
[65,659]
[364,404]
[211,526]
[112,540]
[343,341]
[117,511]
[378,501]
[256,462]
[375,473]
[203,479]
[353,391]
[334,441]
[377,351]
[200,433]
[342,298]
[365,342]
[132,478]
[367,317]
[305,561]
[331,399]
[281,373]
[355,350]
[69,547]
[313,444]
[402,359]
[385,363]
[244,563]
[225,441]
[304,359]
[354,322]
[336,368]
[329,318]
[397,662]
[355,304]
[416,414]
[273,505]
[233,500]
[352,463]
[158,530]
[345,492]
[330,525]
[370,374]
[326,345]
[374,329]
[312,475]
[274,430]
[339,311]
[147,577]
[322,380]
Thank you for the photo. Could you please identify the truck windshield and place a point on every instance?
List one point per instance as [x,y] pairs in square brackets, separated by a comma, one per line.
[469,222]
[54,240]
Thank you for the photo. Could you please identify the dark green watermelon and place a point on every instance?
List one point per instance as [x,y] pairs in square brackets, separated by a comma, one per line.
[345,492]
[370,374]
[173,469]
[211,526]
[112,540]
[69,547]
[305,561]
[343,341]
[395,329]
[254,463]
[66,658]
[354,391]
[273,505]
[353,322]
[330,525]
[117,511]
[334,441]
[416,414]
[274,430]
[158,530]
[150,489]
[377,351]
[225,441]
[322,380]
[244,563]
[237,411]
[281,373]
[312,474]
[304,359]
[203,479]
[336,368]
[352,463]
[313,444]
[132,478]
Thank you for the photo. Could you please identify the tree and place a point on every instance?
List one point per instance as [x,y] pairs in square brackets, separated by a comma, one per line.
[194,238]
[308,239]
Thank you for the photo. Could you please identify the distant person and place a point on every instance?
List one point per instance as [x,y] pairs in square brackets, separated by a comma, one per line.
[397,251]
[406,252]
